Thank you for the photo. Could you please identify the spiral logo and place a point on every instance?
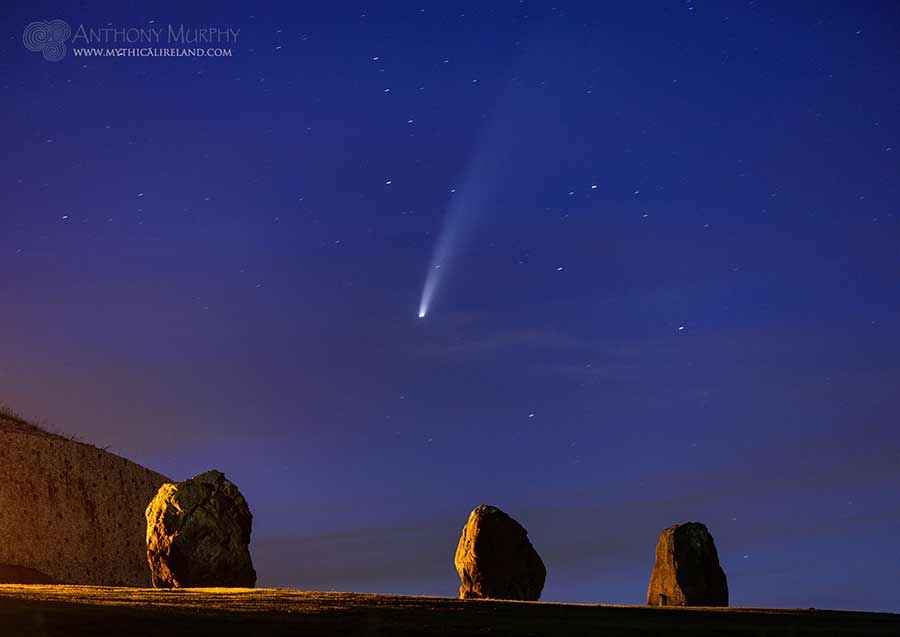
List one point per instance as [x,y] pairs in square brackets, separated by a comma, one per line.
[48,38]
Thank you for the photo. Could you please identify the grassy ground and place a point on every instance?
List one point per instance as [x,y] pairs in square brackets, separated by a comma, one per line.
[81,611]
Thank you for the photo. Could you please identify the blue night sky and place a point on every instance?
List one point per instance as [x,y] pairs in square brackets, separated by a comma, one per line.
[668,288]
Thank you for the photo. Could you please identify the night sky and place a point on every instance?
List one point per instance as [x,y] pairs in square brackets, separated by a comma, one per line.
[668,285]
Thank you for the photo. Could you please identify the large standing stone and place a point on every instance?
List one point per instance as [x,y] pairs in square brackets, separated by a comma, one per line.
[687,571]
[198,532]
[494,558]
[70,513]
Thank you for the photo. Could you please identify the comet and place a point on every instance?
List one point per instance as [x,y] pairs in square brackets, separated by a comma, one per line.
[456,221]
[507,152]
[476,194]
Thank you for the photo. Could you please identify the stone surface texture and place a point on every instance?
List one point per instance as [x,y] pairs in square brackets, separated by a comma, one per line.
[198,534]
[495,559]
[70,512]
[687,570]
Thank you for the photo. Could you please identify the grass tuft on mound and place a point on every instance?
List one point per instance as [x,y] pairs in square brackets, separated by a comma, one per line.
[13,421]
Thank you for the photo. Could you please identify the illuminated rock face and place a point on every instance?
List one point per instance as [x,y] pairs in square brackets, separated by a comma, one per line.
[687,571]
[198,532]
[69,512]
[494,558]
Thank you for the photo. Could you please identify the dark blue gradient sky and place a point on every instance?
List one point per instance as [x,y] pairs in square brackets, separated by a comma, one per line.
[675,295]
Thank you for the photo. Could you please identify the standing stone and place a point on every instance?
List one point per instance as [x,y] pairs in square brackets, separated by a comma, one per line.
[70,513]
[198,532]
[687,571]
[494,558]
